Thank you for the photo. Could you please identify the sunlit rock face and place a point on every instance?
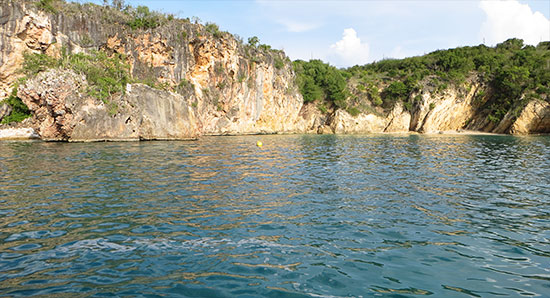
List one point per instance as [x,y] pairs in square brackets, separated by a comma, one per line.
[535,118]
[209,85]
[205,83]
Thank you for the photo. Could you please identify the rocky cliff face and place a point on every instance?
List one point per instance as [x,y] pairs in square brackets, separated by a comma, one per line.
[453,109]
[535,118]
[21,30]
[211,83]
[142,113]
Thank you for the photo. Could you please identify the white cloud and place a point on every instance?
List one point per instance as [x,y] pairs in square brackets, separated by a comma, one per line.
[294,26]
[350,50]
[511,19]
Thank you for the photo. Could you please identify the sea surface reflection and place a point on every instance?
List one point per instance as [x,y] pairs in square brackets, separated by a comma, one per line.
[304,216]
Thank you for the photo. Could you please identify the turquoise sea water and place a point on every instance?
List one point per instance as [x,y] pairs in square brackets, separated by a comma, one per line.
[305,216]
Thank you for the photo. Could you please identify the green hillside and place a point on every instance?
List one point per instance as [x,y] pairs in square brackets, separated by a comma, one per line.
[514,74]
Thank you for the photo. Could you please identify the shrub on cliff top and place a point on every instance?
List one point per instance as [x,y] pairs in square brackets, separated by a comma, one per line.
[214,30]
[144,19]
[253,41]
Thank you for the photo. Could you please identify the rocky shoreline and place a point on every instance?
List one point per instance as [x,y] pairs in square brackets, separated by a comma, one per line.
[8,133]
[190,80]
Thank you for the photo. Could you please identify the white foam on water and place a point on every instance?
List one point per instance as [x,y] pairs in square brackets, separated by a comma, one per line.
[99,244]
[206,242]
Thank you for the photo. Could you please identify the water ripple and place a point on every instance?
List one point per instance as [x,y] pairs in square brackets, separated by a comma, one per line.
[305,216]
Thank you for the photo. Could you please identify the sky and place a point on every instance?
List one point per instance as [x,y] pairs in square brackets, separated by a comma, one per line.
[350,32]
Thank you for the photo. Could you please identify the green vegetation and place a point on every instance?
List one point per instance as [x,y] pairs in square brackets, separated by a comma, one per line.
[278,62]
[106,75]
[185,84]
[322,108]
[242,77]
[374,96]
[353,111]
[320,81]
[19,110]
[218,68]
[144,19]
[515,72]
[51,6]
[214,30]
[182,36]
[35,63]
[253,41]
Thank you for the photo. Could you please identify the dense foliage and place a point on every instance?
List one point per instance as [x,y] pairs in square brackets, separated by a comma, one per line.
[19,110]
[515,72]
[320,81]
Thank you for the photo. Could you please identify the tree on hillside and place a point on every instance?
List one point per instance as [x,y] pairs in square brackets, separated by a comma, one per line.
[253,41]
[318,80]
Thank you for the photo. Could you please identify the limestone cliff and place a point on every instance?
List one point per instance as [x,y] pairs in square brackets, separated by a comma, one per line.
[457,108]
[142,113]
[535,118]
[211,83]
[201,81]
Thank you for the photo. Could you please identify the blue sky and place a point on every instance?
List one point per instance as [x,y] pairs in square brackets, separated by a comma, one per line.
[349,32]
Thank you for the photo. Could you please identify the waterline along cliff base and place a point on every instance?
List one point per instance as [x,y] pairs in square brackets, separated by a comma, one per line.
[85,72]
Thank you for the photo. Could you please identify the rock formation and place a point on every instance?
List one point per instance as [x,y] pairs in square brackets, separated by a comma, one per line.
[142,113]
[222,86]
[535,118]
[212,84]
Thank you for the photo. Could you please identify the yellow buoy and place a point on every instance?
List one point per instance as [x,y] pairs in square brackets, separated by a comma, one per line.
[259,144]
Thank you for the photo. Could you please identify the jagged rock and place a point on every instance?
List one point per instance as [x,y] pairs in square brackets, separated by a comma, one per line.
[535,118]
[223,86]
[52,97]
[228,88]
[422,110]
[64,113]
[450,110]
[398,120]
[143,113]
[22,30]
[325,130]
[310,119]
[343,122]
